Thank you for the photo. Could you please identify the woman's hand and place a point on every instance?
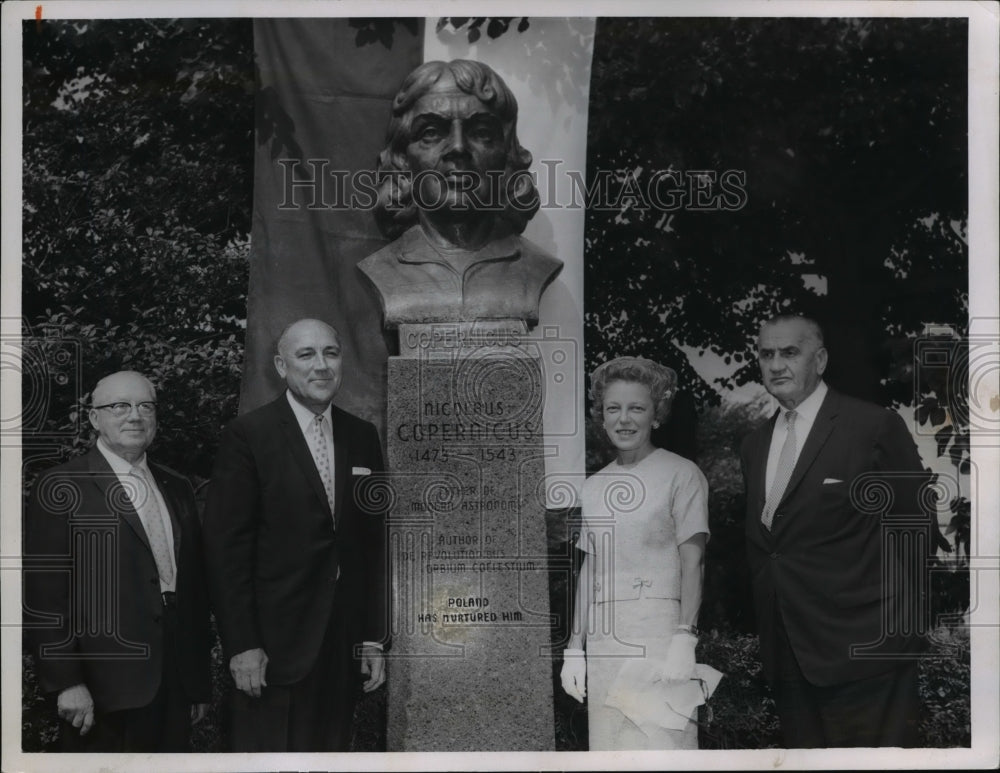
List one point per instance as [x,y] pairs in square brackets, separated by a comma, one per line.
[574,673]
[680,657]
[679,665]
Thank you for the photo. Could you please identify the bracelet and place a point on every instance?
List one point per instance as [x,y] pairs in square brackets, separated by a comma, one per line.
[691,629]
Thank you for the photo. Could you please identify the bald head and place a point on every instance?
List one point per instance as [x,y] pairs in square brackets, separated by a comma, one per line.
[301,326]
[309,360]
[122,414]
[116,381]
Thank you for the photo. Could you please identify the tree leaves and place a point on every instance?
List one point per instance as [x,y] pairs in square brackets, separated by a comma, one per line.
[495,26]
[137,215]
[823,119]
[382,31]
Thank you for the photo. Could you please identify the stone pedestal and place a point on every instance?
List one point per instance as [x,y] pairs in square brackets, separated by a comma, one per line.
[469,668]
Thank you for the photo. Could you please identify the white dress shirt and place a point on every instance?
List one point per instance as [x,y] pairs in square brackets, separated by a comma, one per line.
[805,415]
[305,418]
[123,469]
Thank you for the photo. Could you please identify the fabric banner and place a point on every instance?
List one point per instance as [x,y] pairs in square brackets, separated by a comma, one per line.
[322,111]
[326,87]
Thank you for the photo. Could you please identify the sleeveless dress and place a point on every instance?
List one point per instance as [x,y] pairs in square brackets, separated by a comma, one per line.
[633,520]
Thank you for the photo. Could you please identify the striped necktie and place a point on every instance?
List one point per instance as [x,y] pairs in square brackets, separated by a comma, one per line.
[786,463]
[321,456]
[152,521]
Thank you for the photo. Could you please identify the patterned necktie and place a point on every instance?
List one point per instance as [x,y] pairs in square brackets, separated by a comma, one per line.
[321,456]
[786,462]
[152,520]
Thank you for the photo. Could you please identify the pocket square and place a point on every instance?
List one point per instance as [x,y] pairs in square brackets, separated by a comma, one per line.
[831,480]
[360,471]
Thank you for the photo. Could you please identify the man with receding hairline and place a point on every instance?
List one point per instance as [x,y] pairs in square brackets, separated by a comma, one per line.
[838,640]
[133,681]
[296,562]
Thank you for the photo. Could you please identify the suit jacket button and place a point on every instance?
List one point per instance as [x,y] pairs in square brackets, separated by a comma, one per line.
[774,555]
[156,618]
[154,580]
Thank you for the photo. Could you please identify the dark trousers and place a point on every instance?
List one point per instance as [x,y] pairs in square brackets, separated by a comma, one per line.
[315,714]
[161,726]
[877,711]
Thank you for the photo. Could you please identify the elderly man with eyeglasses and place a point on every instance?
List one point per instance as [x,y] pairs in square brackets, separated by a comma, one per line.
[116,609]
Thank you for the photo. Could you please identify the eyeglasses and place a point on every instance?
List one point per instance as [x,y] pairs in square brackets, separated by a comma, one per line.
[124,409]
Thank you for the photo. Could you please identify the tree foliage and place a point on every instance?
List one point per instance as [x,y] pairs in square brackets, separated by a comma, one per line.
[848,140]
[473,25]
[137,182]
[137,170]
[851,135]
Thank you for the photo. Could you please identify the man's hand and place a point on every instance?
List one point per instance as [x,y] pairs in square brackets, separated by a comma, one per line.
[372,665]
[198,712]
[248,669]
[75,705]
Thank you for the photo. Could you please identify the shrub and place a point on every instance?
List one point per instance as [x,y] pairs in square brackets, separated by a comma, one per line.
[39,728]
[740,715]
[944,690]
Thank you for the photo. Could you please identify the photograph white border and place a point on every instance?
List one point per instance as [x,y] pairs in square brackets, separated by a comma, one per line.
[984,239]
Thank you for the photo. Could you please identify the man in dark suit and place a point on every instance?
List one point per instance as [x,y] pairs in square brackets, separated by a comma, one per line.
[830,481]
[114,586]
[296,556]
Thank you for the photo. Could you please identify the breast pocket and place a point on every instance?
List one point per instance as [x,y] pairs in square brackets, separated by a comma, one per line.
[835,493]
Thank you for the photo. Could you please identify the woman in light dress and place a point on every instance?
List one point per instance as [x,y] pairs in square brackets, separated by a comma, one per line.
[645,525]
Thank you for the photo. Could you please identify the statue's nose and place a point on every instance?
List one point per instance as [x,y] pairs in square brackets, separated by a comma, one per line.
[456,138]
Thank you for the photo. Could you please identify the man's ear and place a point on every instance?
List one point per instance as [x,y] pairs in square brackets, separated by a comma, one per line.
[821,360]
[92,415]
[279,365]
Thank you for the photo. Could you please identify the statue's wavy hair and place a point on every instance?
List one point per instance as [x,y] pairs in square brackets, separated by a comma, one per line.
[661,380]
[395,210]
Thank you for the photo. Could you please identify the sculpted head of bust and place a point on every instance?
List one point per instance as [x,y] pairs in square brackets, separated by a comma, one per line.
[452,161]
[455,195]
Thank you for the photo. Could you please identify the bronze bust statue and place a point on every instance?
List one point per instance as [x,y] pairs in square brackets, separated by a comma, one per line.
[455,194]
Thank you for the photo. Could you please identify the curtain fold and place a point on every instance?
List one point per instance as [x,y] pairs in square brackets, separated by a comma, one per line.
[325,88]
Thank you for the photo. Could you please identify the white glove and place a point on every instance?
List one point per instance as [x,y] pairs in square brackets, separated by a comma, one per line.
[679,665]
[574,674]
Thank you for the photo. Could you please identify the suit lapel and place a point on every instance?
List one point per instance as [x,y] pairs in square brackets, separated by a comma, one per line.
[105,479]
[758,473]
[341,477]
[820,431]
[300,450]
[165,485]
